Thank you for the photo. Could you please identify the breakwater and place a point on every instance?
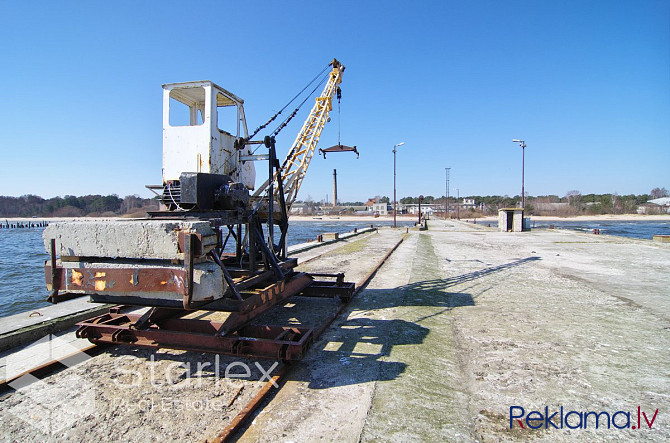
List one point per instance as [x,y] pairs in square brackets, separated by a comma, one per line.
[23,224]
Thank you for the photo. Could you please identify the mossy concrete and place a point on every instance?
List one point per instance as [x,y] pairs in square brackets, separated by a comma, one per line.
[462,322]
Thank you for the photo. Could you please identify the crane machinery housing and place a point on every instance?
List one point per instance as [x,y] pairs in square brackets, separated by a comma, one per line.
[207,249]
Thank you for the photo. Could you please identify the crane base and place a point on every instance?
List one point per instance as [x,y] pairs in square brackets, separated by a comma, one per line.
[165,328]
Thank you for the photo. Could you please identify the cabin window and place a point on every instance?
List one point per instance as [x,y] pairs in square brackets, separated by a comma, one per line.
[187,106]
[226,111]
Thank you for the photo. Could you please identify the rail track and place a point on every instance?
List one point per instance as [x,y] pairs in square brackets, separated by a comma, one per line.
[269,388]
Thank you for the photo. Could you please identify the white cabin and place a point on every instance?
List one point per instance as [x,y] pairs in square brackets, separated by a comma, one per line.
[201,122]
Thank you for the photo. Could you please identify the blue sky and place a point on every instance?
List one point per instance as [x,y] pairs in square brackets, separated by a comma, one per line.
[585,83]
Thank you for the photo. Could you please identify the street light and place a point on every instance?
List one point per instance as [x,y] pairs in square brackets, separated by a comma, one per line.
[523,160]
[394,201]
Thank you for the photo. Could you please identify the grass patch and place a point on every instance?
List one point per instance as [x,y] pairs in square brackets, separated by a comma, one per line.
[352,247]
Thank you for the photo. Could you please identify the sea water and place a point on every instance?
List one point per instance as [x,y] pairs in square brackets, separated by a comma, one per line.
[22,258]
[631,229]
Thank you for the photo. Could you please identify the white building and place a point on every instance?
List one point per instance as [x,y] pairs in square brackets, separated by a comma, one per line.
[299,208]
[414,209]
[468,203]
[381,208]
[659,204]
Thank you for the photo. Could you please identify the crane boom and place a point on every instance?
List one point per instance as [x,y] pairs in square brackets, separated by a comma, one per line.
[297,160]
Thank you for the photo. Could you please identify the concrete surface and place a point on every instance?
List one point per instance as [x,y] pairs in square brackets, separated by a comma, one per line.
[136,394]
[463,322]
[19,329]
[460,324]
[124,238]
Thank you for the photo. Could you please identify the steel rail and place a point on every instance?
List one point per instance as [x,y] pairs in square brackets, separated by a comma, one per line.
[278,379]
[240,419]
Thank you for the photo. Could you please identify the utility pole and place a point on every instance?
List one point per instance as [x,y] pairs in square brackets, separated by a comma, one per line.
[395,208]
[446,203]
[458,203]
[334,187]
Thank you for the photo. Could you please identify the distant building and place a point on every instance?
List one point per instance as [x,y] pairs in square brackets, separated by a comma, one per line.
[427,209]
[299,208]
[381,208]
[657,205]
[468,203]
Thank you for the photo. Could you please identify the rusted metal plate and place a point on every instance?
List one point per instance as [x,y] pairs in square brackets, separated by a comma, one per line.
[328,289]
[197,242]
[234,336]
[100,280]
[265,299]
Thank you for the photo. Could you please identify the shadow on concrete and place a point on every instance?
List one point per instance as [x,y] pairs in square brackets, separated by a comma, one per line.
[358,350]
[353,351]
[437,287]
[474,275]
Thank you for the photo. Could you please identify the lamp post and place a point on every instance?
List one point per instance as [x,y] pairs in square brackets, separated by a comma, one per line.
[446,203]
[420,200]
[523,161]
[394,199]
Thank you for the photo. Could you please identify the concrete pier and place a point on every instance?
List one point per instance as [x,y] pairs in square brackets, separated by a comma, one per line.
[464,322]
[19,329]
[460,324]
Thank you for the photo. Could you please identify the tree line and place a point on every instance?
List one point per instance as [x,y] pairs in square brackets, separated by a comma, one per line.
[72,206]
[573,203]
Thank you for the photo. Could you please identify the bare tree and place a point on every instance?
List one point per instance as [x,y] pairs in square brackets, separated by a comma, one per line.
[658,193]
[574,197]
[617,205]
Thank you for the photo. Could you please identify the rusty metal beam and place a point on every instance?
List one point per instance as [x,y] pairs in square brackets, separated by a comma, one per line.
[189,249]
[265,299]
[272,342]
[165,328]
[237,422]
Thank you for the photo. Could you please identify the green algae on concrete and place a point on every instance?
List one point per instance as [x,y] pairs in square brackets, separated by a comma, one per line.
[431,385]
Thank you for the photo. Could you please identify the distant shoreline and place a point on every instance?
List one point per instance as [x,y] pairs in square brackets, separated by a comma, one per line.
[387,218]
[490,218]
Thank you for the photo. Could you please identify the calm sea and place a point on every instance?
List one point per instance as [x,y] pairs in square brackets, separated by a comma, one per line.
[22,259]
[632,229]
